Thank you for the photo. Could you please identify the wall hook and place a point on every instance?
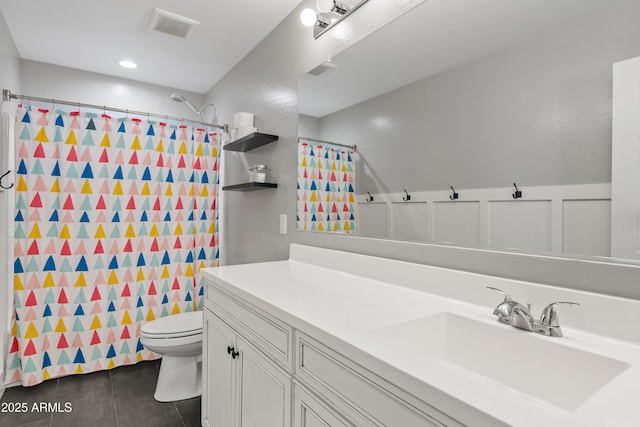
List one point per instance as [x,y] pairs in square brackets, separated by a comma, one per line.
[370,198]
[454,195]
[517,194]
[407,197]
[2,177]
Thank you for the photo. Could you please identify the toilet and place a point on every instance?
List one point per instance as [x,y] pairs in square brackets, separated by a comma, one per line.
[178,338]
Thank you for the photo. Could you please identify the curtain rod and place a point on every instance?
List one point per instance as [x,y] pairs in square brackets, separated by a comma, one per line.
[8,96]
[353,147]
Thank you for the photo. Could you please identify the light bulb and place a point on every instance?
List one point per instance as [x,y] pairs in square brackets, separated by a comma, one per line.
[325,6]
[308,17]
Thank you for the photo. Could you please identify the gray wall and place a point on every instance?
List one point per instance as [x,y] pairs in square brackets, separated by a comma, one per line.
[265,83]
[309,126]
[536,114]
[9,64]
[53,81]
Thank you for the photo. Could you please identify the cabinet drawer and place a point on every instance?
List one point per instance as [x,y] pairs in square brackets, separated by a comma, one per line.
[264,331]
[330,373]
[310,411]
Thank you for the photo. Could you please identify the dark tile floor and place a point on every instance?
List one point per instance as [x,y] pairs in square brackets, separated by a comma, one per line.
[121,397]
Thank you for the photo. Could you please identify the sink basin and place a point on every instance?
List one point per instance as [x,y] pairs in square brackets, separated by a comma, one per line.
[539,367]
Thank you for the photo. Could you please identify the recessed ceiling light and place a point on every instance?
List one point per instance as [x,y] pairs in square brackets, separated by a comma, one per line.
[128,64]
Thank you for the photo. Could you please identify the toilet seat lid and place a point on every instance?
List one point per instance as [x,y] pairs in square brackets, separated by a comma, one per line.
[190,322]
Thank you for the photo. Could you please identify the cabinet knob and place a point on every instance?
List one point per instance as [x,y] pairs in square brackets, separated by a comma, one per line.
[232,351]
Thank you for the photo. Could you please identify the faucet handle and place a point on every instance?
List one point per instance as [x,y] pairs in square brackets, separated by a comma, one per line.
[507,297]
[504,310]
[549,316]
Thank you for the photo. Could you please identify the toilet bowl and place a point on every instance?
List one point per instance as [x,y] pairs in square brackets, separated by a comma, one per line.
[178,338]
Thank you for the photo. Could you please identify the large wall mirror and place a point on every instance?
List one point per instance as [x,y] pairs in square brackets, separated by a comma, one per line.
[480,123]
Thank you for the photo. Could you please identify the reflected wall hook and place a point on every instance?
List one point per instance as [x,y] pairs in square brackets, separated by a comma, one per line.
[517,194]
[2,177]
[407,197]
[454,195]
[370,198]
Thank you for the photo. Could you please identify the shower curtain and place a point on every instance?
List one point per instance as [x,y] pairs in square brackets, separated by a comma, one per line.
[113,219]
[326,187]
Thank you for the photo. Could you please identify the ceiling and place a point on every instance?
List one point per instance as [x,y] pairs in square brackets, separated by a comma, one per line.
[95,35]
[435,36]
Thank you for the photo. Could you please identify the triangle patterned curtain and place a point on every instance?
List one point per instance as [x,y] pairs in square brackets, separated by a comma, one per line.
[113,219]
[326,187]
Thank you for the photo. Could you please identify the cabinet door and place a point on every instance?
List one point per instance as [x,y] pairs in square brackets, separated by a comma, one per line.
[218,373]
[309,411]
[263,390]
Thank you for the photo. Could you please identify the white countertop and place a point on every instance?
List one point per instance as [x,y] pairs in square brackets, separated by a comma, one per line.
[340,306]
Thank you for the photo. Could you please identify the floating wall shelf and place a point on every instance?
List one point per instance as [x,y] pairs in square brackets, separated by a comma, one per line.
[251,141]
[250,186]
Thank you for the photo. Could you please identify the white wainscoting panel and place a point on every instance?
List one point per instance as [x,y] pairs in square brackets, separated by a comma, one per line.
[372,220]
[409,221]
[573,219]
[456,222]
[517,224]
[581,232]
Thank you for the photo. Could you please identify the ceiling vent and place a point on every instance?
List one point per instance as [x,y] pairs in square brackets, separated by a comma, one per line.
[171,23]
[322,69]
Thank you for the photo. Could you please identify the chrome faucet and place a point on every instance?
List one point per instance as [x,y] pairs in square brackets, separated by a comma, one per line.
[513,313]
[504,310]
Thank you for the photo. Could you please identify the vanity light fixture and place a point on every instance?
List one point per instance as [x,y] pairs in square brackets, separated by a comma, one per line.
[325,6]
[308,17]
[330,12]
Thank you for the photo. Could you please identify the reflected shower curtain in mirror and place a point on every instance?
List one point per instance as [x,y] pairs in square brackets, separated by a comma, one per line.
[113,219]
[326,187]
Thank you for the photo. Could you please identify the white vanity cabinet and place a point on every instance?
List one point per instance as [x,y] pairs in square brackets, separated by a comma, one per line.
[360,395]
[243,385]
[217,371]
[249,390]
[311,411]
[260,371]
[330,338]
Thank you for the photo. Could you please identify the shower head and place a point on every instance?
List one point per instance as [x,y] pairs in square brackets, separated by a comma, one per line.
[179,98]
